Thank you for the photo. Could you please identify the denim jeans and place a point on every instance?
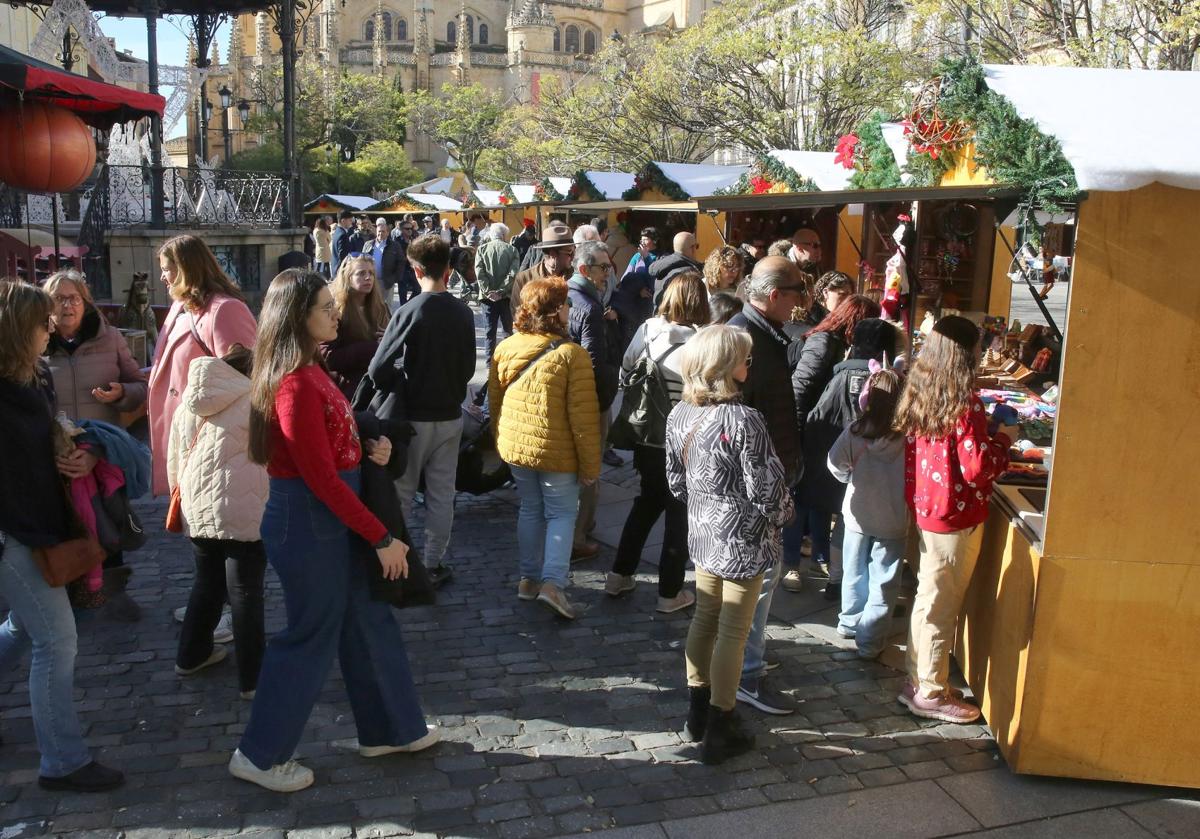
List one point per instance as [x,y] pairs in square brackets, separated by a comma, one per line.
[226,568]
[870,583]
[545,523]
[322,569]
[497,313]
[653,500]
[41,617]
[753,665]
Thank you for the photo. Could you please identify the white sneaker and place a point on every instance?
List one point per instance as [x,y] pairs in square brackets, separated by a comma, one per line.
[217,656]
[617,584]
[223,634]
[180,613]
[792,581]
[284,777]
[432,736]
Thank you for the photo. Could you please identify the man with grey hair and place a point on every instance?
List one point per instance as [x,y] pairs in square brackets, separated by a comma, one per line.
[774,288]
[589,328]
[388,254]
[496,264]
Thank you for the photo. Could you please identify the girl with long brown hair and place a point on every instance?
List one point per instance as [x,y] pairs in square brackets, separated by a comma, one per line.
[950,462]
[35,513]
[208,316]
[364,315]
[319,537]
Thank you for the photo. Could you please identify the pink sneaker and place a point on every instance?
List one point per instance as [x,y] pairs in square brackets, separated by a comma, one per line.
[947,708]
[908,690]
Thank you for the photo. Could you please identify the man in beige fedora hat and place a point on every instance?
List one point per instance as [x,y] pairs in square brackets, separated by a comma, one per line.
[557,248]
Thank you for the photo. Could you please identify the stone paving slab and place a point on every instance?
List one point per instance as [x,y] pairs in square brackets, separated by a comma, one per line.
[1173,818]
[1095,824]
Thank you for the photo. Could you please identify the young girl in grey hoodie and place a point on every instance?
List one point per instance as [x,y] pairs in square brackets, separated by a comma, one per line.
[869,456]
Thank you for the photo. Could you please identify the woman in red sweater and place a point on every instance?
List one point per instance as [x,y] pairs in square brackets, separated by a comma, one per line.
[313,529]
[950,462]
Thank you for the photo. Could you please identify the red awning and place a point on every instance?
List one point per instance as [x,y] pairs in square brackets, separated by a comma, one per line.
[98,104]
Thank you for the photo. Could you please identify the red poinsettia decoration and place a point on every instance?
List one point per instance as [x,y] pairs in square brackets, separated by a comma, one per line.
[622,217]
[504,199]
[846,146]
[759,185]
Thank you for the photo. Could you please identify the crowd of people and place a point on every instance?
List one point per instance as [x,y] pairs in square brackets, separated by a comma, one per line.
[767,407]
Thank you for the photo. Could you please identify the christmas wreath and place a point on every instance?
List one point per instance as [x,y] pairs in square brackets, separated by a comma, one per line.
[651,177]
[771,176]
[507,196]
[867,153]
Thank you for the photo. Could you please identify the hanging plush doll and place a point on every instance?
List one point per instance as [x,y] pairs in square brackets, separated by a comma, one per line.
[895,279]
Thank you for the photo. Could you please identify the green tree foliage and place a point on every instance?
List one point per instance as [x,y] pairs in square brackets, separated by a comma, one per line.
[524,150]
[464,120]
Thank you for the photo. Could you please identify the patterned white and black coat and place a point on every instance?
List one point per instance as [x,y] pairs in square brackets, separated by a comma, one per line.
[734,486]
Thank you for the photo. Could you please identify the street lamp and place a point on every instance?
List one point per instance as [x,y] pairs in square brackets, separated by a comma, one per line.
[226,96]
[207,111]
[243,109]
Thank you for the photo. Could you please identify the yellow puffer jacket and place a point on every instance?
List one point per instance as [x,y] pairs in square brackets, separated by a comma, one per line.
[549,420]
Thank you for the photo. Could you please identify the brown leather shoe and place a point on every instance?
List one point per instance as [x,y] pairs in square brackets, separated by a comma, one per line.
[587,550]
[528,589]
[556,600]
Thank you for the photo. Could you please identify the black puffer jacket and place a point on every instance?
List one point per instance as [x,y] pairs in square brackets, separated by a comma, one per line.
[590,330]
[836,409]
[766,388]
[822,352]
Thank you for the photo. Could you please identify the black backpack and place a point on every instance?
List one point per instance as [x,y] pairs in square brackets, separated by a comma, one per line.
[645,403]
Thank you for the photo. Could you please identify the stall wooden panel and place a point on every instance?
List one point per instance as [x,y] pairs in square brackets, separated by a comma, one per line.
[1123,487]
[1000,295]
[709,234]
[849,241]
[1112,682]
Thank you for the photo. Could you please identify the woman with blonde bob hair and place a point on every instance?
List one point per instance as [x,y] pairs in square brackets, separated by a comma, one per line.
[683,310]
[723,269]
[208,316]
[364,316]
[721,463]
[35,513]
[546,415]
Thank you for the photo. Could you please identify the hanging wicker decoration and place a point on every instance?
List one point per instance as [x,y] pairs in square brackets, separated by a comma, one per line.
[928,130]
[44,148]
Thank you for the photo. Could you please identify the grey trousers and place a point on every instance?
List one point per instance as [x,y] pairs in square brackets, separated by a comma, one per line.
[586,519]
[433,451]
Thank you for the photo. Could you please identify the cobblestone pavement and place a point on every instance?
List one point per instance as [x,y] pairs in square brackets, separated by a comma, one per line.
[550,727]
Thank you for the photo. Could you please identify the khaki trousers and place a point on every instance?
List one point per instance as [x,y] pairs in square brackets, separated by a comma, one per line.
[717,638]
[943,574]
[586,520]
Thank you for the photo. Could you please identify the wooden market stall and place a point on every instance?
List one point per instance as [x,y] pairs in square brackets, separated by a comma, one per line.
[422,204]
[328,204]
[1080,624]
[526,201]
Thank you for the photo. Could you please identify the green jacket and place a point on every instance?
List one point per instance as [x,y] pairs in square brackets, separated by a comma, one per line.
[496,263]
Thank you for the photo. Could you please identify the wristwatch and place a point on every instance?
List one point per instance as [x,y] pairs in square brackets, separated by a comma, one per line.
[383,543]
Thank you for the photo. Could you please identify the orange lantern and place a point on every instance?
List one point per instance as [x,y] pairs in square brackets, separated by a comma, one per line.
[44,148]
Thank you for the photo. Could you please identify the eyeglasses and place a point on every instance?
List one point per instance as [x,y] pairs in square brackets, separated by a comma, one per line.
[68,299]
[329,308]
[749,360]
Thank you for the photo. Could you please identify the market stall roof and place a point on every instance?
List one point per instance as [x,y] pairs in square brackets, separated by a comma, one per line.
[792,200]
[345,202]
[523,193]
[443,203]
[561,185]
[610,184]
[641,206]
[701,178]
[98,104]
[488,198]
[1119,129]
[818,166]
[412,202]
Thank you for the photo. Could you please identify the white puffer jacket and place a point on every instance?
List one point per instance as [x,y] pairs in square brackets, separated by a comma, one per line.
[222,492]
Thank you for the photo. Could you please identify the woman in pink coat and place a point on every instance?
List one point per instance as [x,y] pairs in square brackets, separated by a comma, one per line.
[208,317]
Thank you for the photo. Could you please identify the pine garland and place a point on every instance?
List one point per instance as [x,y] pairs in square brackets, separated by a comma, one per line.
[543,190]
[1013,149]
[507,196]
[652,177]
[769,175]
[875,165]
[582,185]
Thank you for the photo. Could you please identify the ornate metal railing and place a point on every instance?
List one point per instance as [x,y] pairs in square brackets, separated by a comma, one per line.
[94,225]
[197,198]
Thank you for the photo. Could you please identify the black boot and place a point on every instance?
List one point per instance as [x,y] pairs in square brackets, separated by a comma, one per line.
[120,606]
[90,778]
[697,718]
[724,736]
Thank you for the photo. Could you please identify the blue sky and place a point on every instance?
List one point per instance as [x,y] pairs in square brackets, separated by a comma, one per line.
[130,34]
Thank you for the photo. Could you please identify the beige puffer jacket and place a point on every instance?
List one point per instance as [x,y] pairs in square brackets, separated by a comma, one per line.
[222,492]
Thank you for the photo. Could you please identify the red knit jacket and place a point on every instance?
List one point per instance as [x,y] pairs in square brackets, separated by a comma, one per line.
[315,437]
[948,480]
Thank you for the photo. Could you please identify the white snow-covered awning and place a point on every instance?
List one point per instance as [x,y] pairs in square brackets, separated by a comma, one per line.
[488,197]
[893,135]
[818,166]
[612,185]
[561,185]
[523,193]
[442,203]
[1120,129]
[701,178]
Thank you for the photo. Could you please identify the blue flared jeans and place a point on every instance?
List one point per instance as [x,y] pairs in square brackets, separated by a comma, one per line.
[329,613]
